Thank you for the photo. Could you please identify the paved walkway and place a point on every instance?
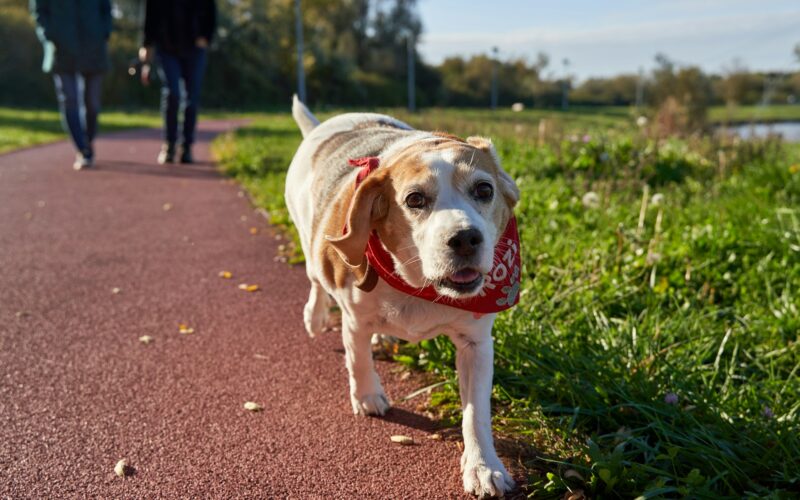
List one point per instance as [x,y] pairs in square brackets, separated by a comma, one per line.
[79,391]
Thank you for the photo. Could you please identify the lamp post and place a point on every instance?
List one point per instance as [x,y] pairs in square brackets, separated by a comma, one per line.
[493,97]
[640,89]
[564,86]
[301,72]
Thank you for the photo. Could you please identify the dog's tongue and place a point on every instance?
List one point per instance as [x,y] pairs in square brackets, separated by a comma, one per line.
[464,276]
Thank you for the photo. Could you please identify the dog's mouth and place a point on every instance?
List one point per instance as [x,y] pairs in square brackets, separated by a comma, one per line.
[465,281]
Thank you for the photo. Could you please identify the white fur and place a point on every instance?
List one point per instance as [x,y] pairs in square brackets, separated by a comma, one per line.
[391,312]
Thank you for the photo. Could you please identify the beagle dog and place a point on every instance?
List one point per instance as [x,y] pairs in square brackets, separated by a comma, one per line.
[412,234]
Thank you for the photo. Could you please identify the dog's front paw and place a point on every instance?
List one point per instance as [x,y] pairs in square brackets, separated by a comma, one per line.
[485,478]
[370,404]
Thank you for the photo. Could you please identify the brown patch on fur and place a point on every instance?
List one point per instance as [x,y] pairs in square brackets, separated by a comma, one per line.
[447,135]
[369,281]
[375,124]
[346,210]
[334,270]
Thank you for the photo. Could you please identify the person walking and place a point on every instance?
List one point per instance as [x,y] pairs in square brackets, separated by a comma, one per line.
[180,32]
[75,34]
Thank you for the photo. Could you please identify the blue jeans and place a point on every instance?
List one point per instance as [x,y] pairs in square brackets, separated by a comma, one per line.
[81,127]
[173,69]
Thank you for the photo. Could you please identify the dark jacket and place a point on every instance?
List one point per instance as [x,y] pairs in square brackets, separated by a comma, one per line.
[74,34]
[173,26]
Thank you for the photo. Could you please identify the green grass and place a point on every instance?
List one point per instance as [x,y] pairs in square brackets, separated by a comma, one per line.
[21,128]
[655,349]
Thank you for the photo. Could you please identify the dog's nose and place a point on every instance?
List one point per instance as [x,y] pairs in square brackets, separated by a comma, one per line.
[465,242]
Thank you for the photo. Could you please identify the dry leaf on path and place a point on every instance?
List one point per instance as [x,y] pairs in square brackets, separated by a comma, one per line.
[404,440]
[225,275]
[121,469]
[252,406]
[146,339]
[185,329]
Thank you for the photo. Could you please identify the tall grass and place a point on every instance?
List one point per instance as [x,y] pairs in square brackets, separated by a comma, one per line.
[655,349]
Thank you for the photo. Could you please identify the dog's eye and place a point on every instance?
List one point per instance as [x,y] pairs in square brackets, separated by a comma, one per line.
[483,191]
[415,200]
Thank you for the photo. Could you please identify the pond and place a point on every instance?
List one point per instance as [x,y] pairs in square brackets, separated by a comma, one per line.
[790,131]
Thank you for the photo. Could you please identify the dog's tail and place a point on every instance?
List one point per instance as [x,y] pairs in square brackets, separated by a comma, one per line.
[304,118]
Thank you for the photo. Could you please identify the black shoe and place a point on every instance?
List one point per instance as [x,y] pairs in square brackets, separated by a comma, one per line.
[186,154]
[167,154]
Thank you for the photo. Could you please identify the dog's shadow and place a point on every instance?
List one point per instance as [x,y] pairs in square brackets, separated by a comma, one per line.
[410,419]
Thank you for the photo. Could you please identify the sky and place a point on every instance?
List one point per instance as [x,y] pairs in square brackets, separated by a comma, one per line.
[609,37]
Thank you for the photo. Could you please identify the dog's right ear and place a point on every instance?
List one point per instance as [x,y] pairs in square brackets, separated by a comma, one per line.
[368,206]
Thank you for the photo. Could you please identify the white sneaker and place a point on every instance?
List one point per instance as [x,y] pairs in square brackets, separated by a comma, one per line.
[82,162]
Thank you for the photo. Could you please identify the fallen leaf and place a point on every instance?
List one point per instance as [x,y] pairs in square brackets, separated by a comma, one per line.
[252,406]
[167,207]
[253,230]
[185,329]
[404,440]
[435,437]
[225,274]
[115,290]
[145,339]
[248,288]
[121,469]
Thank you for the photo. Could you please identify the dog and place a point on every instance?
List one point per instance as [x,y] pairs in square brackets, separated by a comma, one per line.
[409,232]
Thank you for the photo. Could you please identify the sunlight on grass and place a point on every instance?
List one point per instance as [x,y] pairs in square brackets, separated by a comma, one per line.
[20,128]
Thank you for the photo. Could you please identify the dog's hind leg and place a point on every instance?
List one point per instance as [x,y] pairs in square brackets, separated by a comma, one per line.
[315,313]
[366,392]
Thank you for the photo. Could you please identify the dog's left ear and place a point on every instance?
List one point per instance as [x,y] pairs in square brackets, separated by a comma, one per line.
[507,185]
[367,207]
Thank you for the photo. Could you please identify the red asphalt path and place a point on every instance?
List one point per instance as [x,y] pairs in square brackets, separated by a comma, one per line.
[79,391]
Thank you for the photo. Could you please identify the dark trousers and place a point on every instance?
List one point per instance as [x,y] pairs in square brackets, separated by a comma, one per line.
[173,69]
[82,127]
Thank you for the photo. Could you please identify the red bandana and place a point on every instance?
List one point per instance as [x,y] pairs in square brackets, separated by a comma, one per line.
[501,285]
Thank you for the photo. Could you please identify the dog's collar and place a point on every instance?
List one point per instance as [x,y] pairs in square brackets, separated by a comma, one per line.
[500,290]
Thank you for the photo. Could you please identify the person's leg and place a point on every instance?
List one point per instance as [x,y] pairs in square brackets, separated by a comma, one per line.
[193,67]
[67,92]
[92,87]
[170,73]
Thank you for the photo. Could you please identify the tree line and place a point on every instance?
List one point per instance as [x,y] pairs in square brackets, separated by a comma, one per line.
[356,55]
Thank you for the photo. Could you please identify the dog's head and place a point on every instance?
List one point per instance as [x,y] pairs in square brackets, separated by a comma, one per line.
[439,208]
